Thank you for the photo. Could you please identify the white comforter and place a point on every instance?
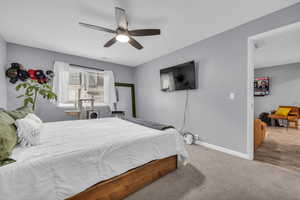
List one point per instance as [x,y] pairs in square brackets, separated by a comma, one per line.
[74,155]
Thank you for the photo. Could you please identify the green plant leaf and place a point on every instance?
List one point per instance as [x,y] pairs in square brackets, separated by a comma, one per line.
[18,87]
[22,95]
[48,86]
[28,91]
[29,94]
[28,100]
[42,92]
[30,88]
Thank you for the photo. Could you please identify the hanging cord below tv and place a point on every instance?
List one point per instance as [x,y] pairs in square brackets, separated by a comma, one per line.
[185,110]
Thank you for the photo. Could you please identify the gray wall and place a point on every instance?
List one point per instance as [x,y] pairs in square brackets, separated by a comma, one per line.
[222,62]
[3,61]
[43,59]
[284,87]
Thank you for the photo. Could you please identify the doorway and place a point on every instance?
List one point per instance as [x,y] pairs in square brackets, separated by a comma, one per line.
[273,67]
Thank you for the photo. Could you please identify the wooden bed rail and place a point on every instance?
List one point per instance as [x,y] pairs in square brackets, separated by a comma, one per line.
[119,187]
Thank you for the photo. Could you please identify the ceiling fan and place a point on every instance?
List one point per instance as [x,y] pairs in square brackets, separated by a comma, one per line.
[122,34]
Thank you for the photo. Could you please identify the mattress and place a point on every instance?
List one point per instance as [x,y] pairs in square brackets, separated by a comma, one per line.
[74,155]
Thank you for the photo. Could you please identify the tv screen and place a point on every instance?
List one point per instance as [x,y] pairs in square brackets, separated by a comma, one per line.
[261,86]
[180,77]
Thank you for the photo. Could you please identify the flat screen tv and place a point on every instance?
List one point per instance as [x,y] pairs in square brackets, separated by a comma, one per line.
[179,77]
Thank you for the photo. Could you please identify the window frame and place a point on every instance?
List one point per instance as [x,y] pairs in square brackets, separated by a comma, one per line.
[85,70]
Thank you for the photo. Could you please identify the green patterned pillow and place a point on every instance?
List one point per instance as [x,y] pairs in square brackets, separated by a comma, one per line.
[4,117]
[19,113]
[8,140]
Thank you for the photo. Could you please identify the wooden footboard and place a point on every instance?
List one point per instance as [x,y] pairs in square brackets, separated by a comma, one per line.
[119,187]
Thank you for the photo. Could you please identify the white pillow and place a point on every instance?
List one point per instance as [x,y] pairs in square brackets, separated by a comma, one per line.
[34,118]
[28,131]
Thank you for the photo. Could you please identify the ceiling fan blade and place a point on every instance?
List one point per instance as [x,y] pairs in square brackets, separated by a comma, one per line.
[135,43]
[110,42]
[121,18]
[144,32]
[98,28]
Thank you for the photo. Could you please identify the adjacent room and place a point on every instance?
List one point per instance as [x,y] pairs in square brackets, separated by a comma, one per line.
[276,101]
[149,100]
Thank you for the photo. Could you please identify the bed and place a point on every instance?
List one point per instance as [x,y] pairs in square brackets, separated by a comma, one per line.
[75,157]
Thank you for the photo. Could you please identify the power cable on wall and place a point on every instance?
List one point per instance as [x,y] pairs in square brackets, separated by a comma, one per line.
[185,110]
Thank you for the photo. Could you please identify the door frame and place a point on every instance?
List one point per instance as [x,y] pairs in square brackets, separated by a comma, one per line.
[132,87]
[250,81]
[250,99]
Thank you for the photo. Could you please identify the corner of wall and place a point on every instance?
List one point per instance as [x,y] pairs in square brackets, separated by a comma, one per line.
[3,63]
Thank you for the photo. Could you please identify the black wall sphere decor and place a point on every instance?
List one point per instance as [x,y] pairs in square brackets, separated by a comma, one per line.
[18,72]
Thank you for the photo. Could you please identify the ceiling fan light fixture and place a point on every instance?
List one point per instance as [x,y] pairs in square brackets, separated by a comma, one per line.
[122,34]
[122,38]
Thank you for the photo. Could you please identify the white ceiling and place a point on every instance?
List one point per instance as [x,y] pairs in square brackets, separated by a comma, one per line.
[53,24]
[278,47]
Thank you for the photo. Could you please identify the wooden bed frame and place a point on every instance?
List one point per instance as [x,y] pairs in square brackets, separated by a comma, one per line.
[119,187]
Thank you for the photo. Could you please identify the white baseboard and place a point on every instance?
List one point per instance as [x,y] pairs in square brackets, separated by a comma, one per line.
[224,150]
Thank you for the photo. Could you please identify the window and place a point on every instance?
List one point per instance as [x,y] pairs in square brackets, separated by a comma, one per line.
[84,84]
[72,83]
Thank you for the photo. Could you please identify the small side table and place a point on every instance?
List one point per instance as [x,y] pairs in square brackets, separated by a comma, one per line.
[73,113]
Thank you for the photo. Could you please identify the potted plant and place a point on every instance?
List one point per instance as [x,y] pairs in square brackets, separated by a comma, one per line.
[33,89]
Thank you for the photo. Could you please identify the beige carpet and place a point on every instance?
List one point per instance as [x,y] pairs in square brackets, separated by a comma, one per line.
[212,175]
[281,148]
